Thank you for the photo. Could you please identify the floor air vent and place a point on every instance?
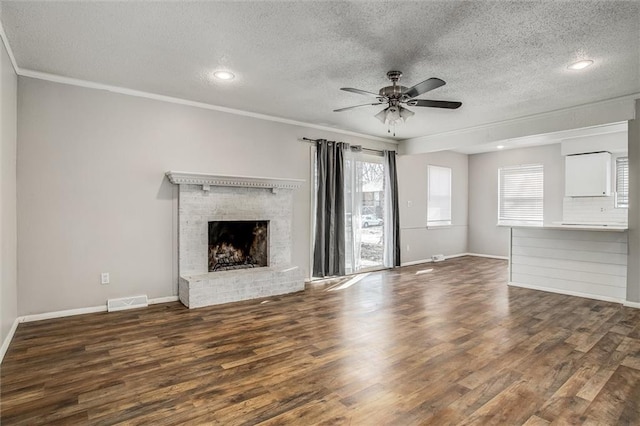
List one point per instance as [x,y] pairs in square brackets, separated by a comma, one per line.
[127,303]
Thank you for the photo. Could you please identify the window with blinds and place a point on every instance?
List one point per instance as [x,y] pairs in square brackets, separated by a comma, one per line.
[520,195]
[622,182]
[438,196]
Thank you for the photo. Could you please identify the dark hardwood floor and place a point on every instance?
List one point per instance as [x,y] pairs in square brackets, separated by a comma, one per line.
[450,346]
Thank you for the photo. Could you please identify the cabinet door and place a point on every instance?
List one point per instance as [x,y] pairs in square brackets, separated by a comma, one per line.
[588,175]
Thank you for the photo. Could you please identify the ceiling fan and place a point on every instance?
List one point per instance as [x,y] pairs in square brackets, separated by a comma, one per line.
[395,95]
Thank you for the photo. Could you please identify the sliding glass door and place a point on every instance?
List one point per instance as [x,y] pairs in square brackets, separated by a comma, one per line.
[364,193]
[371,229]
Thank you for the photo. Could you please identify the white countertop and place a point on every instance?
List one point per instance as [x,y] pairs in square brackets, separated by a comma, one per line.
[578,227]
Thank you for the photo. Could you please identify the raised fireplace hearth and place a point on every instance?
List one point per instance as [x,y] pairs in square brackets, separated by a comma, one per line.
[234,238]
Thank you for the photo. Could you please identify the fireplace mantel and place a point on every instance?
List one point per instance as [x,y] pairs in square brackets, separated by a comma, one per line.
[208,180]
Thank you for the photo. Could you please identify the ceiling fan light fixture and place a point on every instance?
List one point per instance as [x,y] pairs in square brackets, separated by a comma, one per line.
[382,116]
[393,115]
[405,114]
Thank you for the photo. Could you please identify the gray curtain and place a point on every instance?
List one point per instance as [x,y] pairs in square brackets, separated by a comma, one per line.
[392,218]
[329,244]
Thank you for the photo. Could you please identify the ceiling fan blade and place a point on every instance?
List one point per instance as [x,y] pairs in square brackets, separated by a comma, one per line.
[424,87]
[434,104]
[361,92]
[356,106]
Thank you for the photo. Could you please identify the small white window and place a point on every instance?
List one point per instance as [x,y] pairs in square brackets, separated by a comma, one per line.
[520,195]
[439,196]
[622,182]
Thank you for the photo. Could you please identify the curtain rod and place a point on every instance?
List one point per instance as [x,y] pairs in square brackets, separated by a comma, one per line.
[358,147]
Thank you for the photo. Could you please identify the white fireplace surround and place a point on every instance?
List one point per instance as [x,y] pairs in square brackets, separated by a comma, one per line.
[208,197]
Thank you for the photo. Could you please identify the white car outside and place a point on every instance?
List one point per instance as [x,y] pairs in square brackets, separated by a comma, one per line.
[370,220]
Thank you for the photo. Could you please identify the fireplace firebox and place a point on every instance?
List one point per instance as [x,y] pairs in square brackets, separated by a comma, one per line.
[238,244]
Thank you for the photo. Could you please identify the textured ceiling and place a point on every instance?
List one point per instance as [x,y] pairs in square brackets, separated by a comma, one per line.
[502,59]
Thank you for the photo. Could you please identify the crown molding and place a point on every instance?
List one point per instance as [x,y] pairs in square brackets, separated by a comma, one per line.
[545,114]
[594,114]
[147,95]
[207,180]
[5,41]
[488,127]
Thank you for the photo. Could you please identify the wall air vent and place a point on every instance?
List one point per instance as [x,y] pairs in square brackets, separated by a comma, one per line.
[123,303]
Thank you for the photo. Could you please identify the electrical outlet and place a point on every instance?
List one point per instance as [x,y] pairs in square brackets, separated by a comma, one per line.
[104,278]
[408,248]
[409,203]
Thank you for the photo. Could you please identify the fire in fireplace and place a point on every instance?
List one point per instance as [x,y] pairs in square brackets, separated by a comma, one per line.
[238,244]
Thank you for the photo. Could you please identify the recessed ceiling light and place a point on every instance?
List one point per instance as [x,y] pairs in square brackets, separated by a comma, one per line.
[580,65]
[500,146]
[224,75]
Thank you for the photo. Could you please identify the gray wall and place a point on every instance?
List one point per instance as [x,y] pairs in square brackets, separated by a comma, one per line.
[93,196]
[484,236]
[633,261]
[418,242]
[8,262]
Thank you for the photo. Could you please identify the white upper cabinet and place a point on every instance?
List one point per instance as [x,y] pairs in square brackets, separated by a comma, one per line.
[588,175]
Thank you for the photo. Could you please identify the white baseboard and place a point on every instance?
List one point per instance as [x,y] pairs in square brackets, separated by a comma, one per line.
[165,299]
[418,262]
[451,256]
[89,310]
[7,340]
[65,313]
[629,304]
[568,293]
[490,256]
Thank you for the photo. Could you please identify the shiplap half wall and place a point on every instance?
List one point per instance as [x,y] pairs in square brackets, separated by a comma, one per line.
[582,263]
